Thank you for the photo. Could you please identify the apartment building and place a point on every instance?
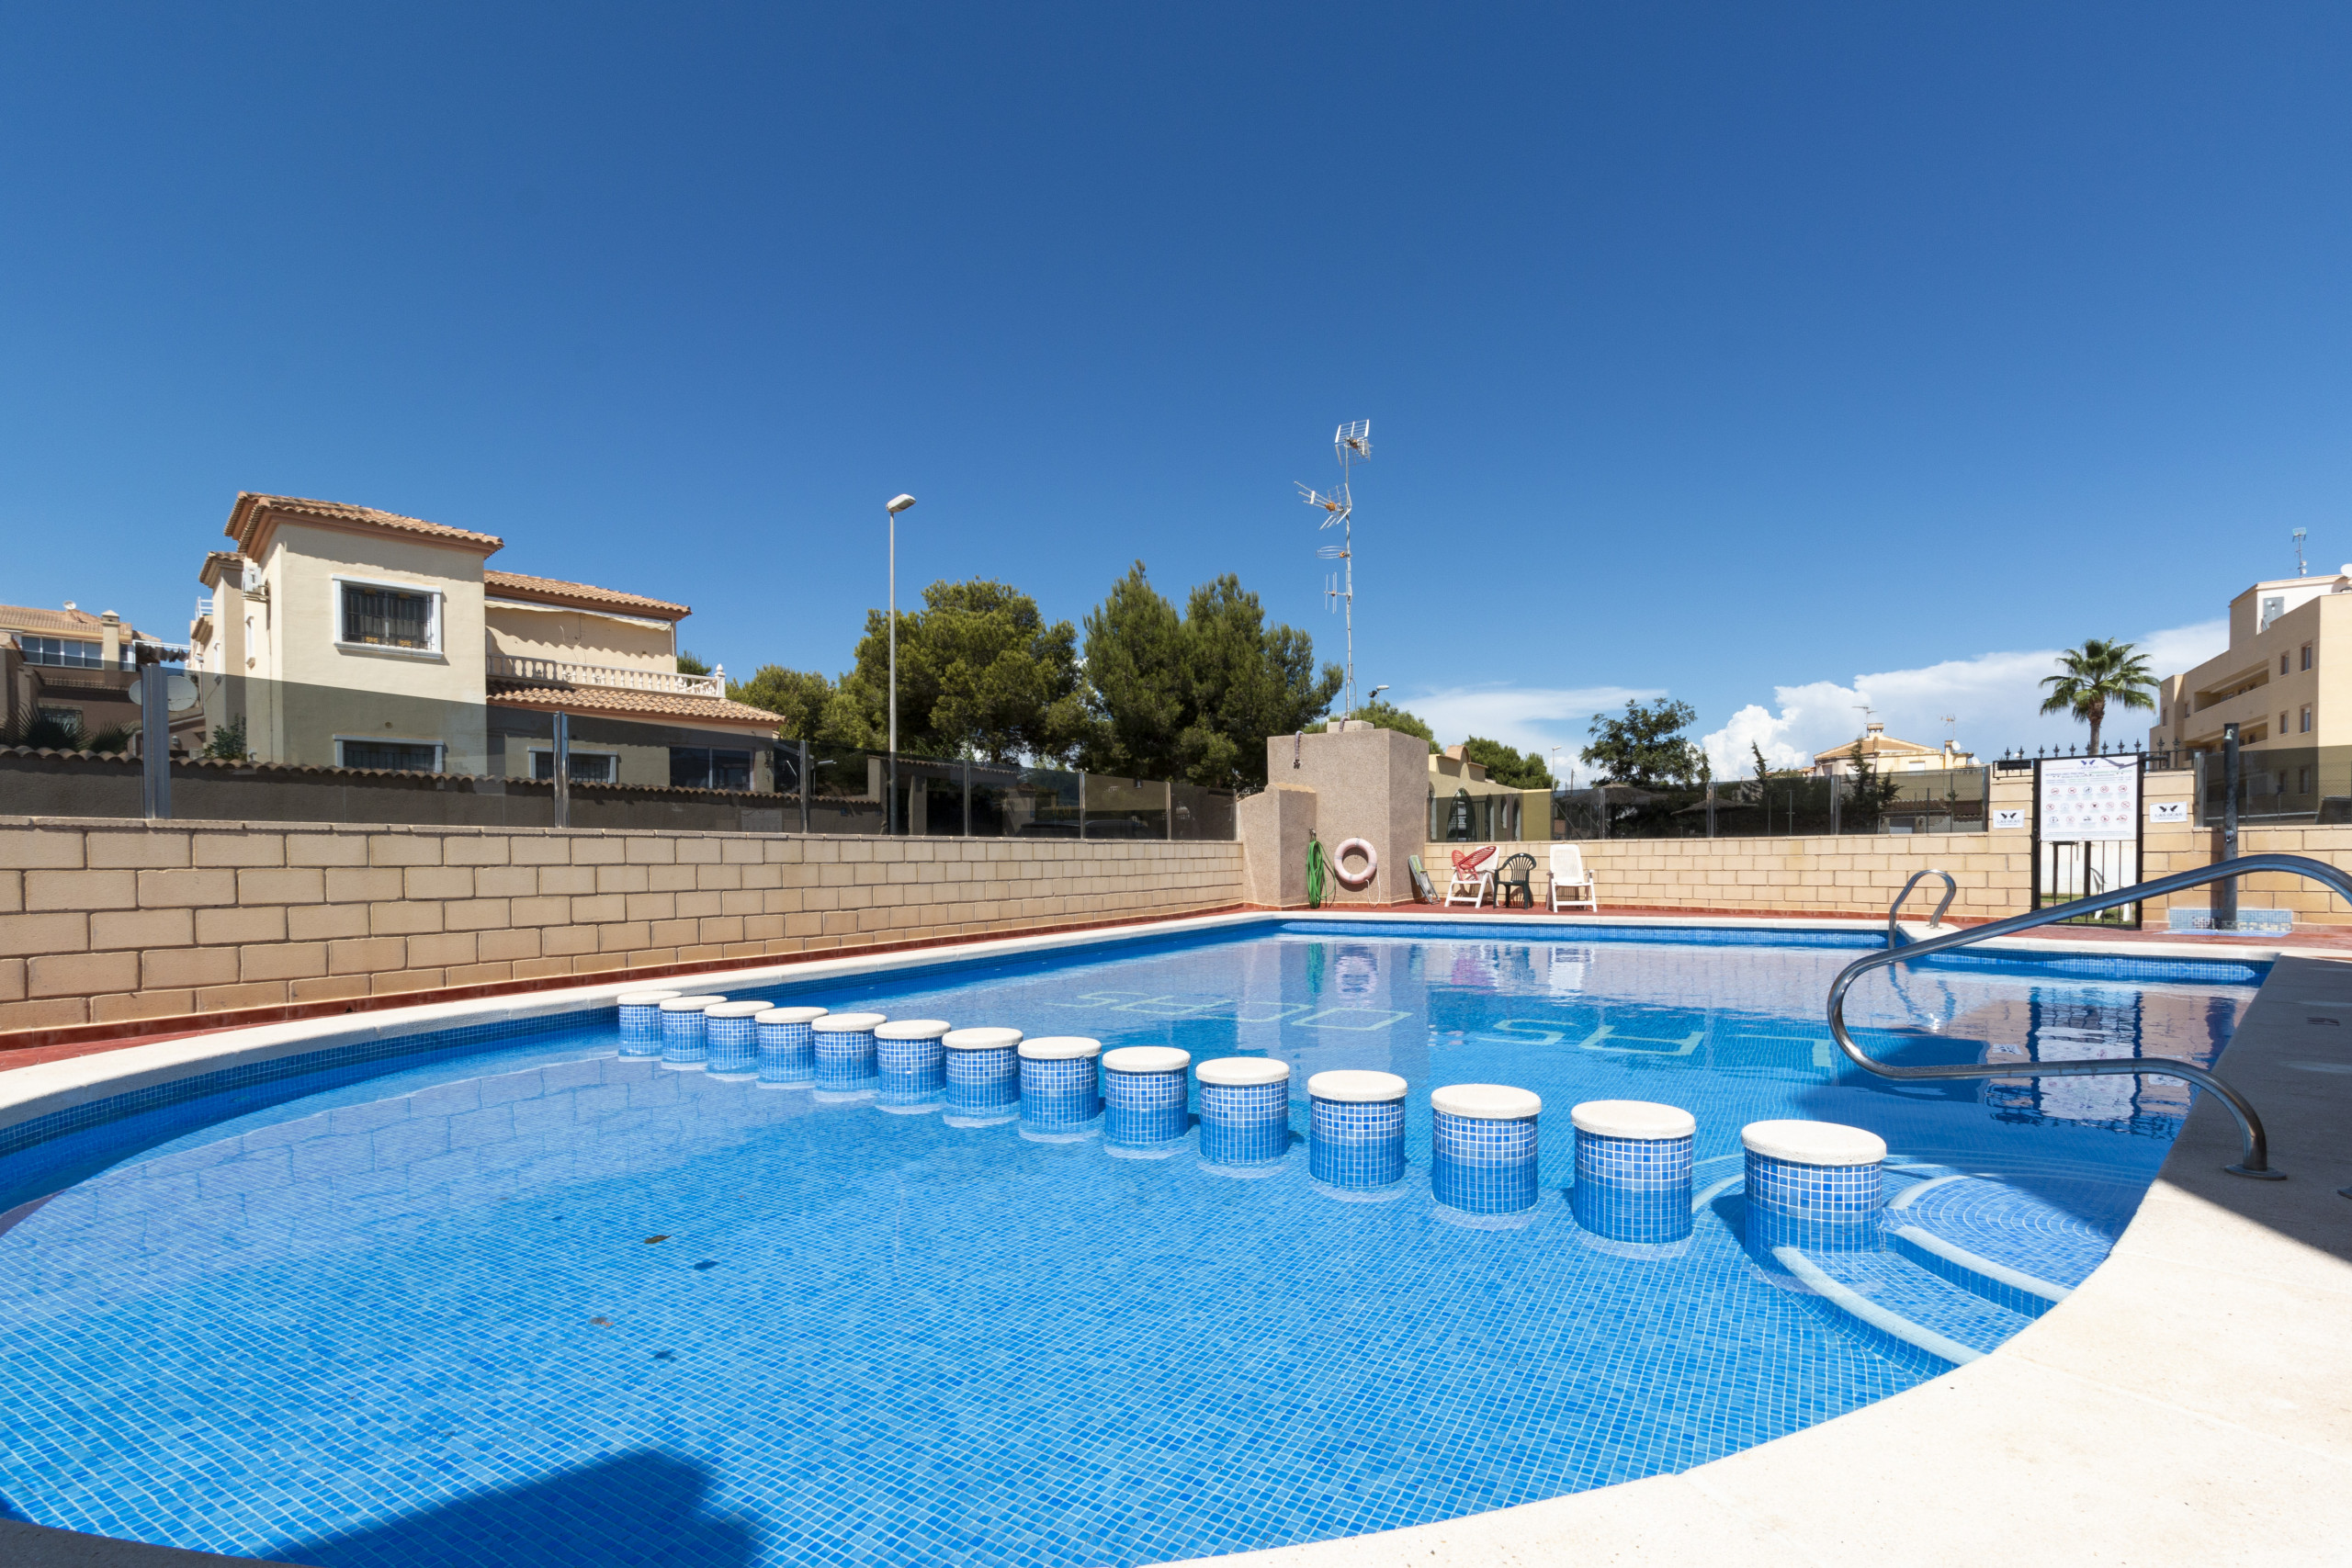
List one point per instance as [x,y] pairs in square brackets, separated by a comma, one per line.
[342,635]
[69,667]
[2286,679]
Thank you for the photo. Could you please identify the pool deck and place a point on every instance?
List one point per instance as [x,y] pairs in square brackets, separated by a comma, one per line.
[2191,1403]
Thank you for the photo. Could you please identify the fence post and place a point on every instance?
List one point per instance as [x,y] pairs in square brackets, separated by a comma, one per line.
[1168,809]
[1836,793]
[561,766]
[804,788]
[1711,808]
[154,743]
[2225,892]
[1081,805]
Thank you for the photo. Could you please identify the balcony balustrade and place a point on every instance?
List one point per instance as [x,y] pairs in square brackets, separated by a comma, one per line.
[504,667]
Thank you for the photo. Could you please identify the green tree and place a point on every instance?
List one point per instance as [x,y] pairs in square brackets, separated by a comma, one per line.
[1505,766]
[797,698]
[1645,746]
[1386,716]
[227,744]
[1195,698]
[2096,675]
[1868,793]
[689,665]
[980,671]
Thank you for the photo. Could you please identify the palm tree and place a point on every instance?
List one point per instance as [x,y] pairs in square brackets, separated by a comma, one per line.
[2096,675]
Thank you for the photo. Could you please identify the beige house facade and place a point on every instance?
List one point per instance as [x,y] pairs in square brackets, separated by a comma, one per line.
[69,667]
[2285,680]
[346,636]
[1888,754]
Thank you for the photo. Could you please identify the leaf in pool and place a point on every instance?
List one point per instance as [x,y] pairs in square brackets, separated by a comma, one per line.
[651,1239]
[665,1355]
[707,1263]
[602,1322]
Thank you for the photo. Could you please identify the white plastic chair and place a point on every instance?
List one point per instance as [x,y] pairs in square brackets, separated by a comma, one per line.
[1471,884]
[1568,872]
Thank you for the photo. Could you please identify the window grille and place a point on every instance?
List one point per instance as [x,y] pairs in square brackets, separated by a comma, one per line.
[385,617]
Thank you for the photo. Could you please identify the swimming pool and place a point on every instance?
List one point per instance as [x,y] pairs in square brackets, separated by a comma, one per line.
[515,1299]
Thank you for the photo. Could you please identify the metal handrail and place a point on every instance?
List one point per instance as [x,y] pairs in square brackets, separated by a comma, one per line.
[1894,937]
[2257,1160]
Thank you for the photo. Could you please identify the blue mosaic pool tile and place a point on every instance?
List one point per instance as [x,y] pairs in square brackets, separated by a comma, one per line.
[1356,1144]
[732,1046]
[1481,1165]
[1824,1194]
[685,1039]
[845,1060]
[1142,1109]
[788,1054]
[981,1082]
[1245,1123]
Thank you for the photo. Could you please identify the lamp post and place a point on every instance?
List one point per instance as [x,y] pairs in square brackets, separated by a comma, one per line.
[890,814]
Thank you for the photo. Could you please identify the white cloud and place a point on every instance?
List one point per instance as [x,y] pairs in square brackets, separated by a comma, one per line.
[1531,719]
[1993,698]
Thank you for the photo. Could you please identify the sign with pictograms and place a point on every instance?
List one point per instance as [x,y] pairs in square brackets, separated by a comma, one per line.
[2087,799]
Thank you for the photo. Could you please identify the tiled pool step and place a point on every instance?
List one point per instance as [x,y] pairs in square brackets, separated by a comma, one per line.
[1951,1276]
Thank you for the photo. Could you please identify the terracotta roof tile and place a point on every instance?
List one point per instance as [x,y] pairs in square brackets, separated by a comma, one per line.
[610,699]
[554,588]
[54,623]
[249,505]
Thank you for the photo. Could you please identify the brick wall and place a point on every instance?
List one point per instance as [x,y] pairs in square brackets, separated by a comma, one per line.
[103,920]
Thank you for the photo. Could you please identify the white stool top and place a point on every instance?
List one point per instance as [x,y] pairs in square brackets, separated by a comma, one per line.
[735,1010]
[691,1004]
[1146,1059]
[913,1029]
[1356,1088]
[1638,1119]
[644,999]
[790,1015]
[991,1039]
[1487,1101]
[1812,1143]
[1234,1070]
[1061,1048]
[848,1023]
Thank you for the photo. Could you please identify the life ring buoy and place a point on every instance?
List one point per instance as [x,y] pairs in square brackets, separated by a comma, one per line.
[1355,881]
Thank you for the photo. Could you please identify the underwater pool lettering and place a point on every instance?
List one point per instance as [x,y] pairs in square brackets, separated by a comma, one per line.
[509,1297]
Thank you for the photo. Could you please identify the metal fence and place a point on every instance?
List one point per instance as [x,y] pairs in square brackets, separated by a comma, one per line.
[245,750]
[2279,786]
[1947,800]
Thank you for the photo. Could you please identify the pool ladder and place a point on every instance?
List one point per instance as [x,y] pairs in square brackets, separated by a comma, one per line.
[1900,948]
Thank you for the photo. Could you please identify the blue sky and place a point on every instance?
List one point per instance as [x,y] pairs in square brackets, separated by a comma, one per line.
[1732,352]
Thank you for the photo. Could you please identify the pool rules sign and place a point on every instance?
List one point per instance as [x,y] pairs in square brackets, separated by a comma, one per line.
[2083,799]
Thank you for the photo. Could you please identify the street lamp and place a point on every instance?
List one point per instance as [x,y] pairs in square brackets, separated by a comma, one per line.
[896,504]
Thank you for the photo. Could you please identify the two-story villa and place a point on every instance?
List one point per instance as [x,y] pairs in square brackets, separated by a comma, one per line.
[2286,679]
[346,637]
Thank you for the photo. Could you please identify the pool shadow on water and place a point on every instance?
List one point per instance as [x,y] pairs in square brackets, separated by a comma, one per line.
[642,1510]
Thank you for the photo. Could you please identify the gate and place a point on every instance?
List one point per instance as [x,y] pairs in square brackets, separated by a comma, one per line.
[2086,824]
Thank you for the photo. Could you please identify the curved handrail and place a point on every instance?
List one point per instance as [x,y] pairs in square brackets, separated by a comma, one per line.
[1894,937]
[2257,1160]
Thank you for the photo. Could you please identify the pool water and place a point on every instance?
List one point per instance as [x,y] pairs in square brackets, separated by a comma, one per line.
[517,1300]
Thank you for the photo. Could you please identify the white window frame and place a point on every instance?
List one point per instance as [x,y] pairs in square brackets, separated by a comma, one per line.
[533,753]
[433,597]
[440,746]
[2305,720]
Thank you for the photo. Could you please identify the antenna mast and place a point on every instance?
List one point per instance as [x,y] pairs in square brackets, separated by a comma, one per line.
[1349,442]
[2299,569]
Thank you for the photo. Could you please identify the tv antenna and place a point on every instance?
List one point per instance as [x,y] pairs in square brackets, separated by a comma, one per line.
[2300,570]
[1349,442]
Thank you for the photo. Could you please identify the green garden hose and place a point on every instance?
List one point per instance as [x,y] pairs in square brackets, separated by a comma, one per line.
[1314,871]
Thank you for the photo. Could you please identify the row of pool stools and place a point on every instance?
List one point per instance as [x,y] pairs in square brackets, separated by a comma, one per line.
[1633,1158]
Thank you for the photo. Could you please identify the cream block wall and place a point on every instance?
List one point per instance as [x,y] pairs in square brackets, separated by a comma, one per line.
[103,920]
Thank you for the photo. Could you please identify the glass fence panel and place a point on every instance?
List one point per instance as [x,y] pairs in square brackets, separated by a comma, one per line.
[249,750]
[1201,813]
[2279,785]
[1124,809]
[847,791]
[1023,803]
